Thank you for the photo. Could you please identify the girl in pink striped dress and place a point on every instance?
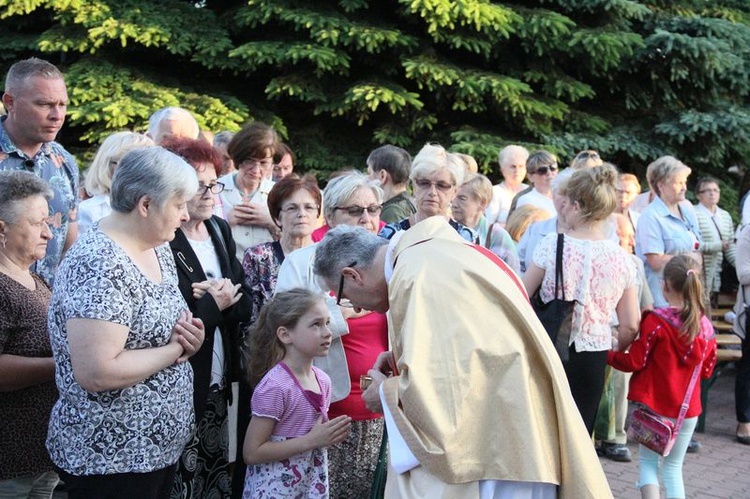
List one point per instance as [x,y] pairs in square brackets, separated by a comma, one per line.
[285,445]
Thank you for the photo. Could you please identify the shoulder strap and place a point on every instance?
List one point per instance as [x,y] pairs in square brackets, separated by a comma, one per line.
[558,265]
[688,394]
[488,237]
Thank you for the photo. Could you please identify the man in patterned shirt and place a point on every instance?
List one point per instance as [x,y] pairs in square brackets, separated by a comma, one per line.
[36,100]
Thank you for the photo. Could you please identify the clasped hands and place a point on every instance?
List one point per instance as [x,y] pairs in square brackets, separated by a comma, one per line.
[250,214]
[223,291]
[189,333]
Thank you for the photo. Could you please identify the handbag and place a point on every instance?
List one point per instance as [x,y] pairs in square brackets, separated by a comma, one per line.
[657,432]
[557,314]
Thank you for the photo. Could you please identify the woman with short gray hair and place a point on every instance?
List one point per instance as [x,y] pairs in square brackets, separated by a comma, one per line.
[352,198]
[121,334]
[27,370]
[668,226]
[435,177]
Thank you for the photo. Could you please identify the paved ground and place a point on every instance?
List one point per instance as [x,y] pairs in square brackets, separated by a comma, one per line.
[721,470]
[722,467]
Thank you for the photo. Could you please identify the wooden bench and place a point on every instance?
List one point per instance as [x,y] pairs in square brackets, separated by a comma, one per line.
[728,350]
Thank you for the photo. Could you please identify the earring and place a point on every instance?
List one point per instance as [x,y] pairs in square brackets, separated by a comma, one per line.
[4,238]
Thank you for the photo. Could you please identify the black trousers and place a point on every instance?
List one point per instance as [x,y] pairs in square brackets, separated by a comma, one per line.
[153,485]
[586,375]
[742,384]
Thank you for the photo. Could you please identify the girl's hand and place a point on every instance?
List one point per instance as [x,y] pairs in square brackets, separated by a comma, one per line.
[329,433]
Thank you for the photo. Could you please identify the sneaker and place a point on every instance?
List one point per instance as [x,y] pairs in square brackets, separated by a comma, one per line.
[694,446]
[617,452]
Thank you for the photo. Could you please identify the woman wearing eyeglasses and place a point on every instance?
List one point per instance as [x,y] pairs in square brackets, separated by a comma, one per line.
[358,337]
[210,279]
[245,191]
[667,227]
[717,229]
[435,177]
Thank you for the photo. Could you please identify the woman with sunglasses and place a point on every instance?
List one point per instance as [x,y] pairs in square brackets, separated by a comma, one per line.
[435,177]
[358,337]
[210,280]
[586,159]
[542,170]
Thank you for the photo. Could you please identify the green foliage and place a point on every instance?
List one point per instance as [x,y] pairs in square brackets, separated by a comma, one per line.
[105,98]
[635,79]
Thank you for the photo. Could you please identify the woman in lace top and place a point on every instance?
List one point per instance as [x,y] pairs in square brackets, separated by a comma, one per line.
[597,274]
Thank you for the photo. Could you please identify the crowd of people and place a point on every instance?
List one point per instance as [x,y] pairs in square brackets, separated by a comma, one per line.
[196,320]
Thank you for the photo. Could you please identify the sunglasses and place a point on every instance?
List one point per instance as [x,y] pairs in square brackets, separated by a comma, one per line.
[588,154]
[339,301]
[357,211]
[544,170]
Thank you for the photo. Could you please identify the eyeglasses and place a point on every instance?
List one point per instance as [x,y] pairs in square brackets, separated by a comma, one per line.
[214,188]
[255,163]
[357,211]
[709,190]
[544,170]
[41,223]
[339,301]
[291,209]
[440,185]
[587,154]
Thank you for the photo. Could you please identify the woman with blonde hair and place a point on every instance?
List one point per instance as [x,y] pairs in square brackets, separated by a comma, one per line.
[468,208]
[99,176]
[597,275]
[435,177]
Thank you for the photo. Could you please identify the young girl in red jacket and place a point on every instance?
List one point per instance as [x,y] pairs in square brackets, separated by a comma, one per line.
[672,342]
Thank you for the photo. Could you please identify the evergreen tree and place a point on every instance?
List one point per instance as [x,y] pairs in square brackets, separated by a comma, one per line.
[632,79]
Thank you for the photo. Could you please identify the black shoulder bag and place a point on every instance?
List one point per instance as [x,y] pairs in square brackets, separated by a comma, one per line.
[556,315]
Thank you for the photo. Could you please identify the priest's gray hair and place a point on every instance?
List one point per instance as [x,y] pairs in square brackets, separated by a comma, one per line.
[153,172]
[342,247]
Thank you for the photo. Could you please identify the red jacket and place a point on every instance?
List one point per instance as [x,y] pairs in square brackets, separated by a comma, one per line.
[662,363]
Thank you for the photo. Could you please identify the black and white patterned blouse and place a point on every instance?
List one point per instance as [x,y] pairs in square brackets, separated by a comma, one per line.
[137,429]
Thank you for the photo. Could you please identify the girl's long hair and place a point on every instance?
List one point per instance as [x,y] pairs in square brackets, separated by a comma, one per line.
[683,275]
[262,349]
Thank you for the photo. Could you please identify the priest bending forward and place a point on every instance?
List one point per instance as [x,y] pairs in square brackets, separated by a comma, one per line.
[476,404]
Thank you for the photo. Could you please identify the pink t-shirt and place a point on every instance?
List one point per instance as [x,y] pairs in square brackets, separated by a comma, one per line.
[278,396]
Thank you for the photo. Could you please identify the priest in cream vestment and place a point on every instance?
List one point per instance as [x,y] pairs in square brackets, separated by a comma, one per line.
[480,406]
